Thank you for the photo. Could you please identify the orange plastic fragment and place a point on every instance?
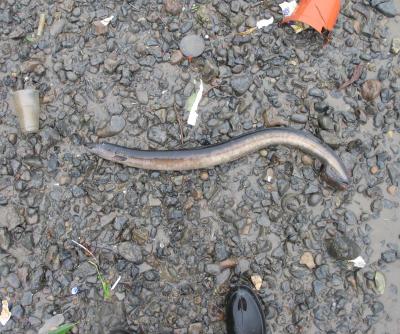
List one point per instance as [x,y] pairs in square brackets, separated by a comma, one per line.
[319,14]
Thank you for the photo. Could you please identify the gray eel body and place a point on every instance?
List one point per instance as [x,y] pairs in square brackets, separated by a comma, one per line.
[209,156]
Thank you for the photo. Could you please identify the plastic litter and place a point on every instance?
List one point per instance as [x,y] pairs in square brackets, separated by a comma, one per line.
[5,312]
[318,14]
[107,20]
[358,262]
[193,115]
[287,9]
[27,106]
[74,290]
[116,283]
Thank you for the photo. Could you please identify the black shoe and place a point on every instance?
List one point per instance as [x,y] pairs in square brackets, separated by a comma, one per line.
[244,312]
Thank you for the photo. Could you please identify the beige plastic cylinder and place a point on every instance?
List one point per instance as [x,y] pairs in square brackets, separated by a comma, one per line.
[26,103]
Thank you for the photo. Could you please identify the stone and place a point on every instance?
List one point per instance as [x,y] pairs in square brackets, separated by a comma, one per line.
[241,83]
[85,269]
[9,217]
[176,57]
[26,299]
[51,324]
[371,89]
[395,47]
[130,252]
[173,7]
[196,328]
[157,134]
[192,45]
[308,260]
[5,239]
[142,96]
[387,8]
[389,256]
[116,125]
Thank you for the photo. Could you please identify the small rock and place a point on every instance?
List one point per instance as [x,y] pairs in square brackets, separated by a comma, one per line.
[392,190]
[241,83]
[142,96]
[228,263]
[5,239]
[26,299]
[257,281]
[111,64]
[100,28]
[157,134]
[130,252]
[395,48]
[173,7]
[223,277]
[204,176]
[57,28]
[308,260]
[307,160]
[389,256]
[387,8]
[196,328]
[374,170]
[371,89]
[12,138]
[343,248]
[116,125]
[52,324]
[176,57]
[192,45]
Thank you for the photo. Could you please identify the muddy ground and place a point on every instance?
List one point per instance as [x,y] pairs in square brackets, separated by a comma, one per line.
[179,239]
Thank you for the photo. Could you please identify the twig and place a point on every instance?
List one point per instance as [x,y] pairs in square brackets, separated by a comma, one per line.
[356,75]
[83,247]
[178,117]
[42,22]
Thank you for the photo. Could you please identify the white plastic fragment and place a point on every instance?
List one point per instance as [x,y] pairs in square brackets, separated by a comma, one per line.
[116,283]
[358,262]
[192,119]
[5,312]
[264,23]
[107,20]
[288,7]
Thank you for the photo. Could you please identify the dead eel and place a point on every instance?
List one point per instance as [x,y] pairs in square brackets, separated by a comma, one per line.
[209,156]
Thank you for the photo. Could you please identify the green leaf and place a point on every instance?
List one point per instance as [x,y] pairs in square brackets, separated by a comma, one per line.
[30,38]
[63,329]
[106,289]
[380,282]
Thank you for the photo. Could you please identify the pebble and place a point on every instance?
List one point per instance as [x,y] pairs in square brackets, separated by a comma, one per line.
[157,134]
[12,138]
[192,45]
[392,190]
[204,175]
[195,328]
[389,256]
[173,7]
[395,47]
[52,323]
[371,89]
[115,126]
[241,83]
[142,96]
[130,252]
[5,239]
[176,57]
[374,170]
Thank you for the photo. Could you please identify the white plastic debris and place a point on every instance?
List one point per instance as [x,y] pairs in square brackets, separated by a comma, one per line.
[74,290]
[192,119]
[264,23]
[358,262]
[288,7]
[5,312]
[116,283]
[107,20]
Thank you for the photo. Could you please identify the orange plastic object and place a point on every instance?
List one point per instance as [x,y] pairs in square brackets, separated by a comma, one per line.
[318,14]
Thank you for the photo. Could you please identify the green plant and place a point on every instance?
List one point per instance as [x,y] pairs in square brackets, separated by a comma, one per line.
[63,329]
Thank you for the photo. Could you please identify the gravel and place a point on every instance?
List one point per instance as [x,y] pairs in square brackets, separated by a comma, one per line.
[170,235]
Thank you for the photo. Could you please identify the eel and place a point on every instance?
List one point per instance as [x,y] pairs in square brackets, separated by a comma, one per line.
[212,155]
